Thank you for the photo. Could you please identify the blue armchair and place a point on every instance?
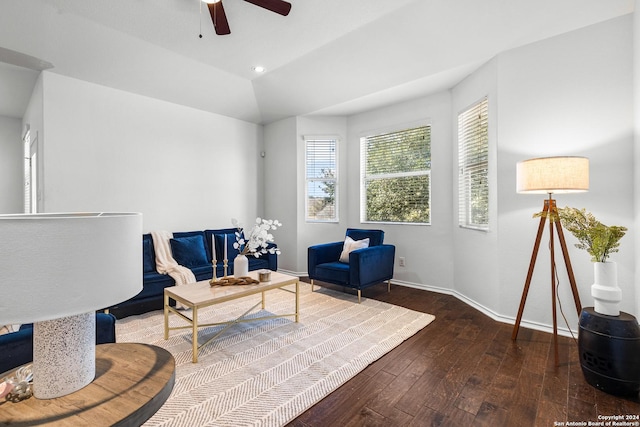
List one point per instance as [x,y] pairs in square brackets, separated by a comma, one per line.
[366,267]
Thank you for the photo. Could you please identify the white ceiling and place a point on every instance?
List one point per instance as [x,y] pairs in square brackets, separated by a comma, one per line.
[326,57]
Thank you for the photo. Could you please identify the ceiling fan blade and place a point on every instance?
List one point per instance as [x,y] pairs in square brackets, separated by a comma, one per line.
[278,6]
[219,18]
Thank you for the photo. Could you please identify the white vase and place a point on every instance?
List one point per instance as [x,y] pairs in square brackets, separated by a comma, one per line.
[605,291]
[240,266]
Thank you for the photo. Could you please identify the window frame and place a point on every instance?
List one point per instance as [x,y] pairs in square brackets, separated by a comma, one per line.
[327,138]
[364,178]
[469,170]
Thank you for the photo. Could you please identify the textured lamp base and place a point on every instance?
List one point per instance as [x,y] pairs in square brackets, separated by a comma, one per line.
[64,355]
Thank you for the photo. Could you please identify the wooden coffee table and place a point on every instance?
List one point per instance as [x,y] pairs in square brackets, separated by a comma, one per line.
[199,295]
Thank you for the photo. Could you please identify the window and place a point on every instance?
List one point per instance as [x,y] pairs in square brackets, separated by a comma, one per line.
[396,177]
[473,164]
[30,173]
[322,180]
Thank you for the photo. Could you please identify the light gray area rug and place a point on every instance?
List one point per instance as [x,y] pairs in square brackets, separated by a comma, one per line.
[268,372]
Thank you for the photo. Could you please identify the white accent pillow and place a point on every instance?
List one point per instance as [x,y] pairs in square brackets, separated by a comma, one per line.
[352,245]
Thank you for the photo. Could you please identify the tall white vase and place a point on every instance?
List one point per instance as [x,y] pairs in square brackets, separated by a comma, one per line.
[605,291]
[240,266]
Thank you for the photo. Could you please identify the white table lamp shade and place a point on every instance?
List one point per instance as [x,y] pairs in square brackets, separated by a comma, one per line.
[57,270]
[59,265]
[553,175]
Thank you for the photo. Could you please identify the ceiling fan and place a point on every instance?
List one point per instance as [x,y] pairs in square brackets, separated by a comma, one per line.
[219,18]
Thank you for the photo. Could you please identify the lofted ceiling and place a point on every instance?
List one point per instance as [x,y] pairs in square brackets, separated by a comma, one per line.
[334,57]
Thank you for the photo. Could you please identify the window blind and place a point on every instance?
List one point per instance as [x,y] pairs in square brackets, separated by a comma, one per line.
[321,179]
[396,176]
[473,164]
[26,144]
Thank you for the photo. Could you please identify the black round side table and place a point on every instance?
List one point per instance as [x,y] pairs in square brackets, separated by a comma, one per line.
[609,348]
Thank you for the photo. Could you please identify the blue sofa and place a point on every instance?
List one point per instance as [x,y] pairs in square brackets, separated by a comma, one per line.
[191,249]
[366,267]
[16,348]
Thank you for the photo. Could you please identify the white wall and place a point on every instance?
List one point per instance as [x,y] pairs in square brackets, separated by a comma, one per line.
[475,252]
[568,95]
[110,150]
[184,169]
[11,165]
[428,250]
[285,186]
[280,184]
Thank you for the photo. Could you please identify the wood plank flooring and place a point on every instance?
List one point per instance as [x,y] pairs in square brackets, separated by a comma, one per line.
[464,370]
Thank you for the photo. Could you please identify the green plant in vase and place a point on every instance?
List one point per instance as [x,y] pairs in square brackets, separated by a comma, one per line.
[600,241]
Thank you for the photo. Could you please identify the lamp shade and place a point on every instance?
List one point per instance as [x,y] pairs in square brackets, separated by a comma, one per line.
[60,265]
[553,175]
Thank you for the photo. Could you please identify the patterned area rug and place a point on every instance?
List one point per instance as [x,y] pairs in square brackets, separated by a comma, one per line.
[266,373]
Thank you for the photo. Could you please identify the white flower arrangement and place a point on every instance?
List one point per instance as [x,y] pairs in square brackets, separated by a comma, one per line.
[256,242]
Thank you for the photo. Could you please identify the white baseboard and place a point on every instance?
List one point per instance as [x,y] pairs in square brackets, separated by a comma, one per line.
[492,314]
[293,273]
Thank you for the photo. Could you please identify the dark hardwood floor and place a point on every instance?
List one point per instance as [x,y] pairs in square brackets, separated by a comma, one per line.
[464,370]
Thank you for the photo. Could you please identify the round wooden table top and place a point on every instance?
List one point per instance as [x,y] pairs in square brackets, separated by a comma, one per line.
[132,382]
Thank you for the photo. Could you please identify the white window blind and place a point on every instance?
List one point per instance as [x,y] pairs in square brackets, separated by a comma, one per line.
[473,164]
[26,143]
[321,162]
[396,177]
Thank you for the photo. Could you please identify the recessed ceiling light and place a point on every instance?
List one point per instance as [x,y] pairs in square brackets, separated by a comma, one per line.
[259,69]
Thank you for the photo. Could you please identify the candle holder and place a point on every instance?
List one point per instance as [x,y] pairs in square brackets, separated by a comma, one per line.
[214,278]
[264,275]
[225,264]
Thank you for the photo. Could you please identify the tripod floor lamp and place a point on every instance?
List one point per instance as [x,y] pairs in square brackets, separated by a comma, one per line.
[551,175]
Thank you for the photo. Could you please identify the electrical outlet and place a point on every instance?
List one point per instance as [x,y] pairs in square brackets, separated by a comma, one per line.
[401,261]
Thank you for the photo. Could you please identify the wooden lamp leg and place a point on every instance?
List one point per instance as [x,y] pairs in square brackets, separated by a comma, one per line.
[550,211]
[567,263]
[532,264]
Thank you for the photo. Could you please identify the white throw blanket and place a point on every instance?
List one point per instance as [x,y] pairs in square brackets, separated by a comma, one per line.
[166,264]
